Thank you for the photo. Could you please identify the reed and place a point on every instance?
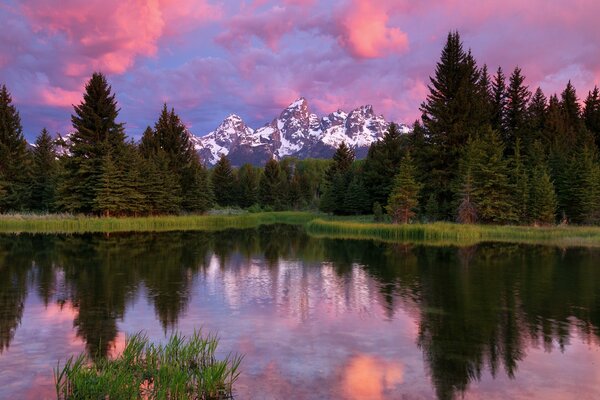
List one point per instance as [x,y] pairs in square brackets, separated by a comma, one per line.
[184,368]
[454,234]
[66,223]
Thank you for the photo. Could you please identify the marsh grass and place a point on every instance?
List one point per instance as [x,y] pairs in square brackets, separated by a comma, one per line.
[454,234]
[66,223]
[184,368]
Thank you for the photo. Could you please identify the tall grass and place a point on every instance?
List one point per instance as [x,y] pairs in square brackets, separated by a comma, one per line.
[184,368]
[455,234]
[65,223]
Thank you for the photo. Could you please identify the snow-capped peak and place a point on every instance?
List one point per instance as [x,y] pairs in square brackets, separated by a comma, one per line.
[296,132]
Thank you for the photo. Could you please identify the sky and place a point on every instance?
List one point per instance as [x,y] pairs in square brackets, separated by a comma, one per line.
[208,59]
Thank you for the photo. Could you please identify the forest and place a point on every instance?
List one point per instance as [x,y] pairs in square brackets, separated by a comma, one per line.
[487,149]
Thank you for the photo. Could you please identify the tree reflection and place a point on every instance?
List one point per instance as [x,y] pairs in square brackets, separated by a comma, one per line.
[478,308]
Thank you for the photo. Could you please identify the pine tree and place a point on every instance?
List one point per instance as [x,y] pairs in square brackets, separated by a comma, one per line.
[161,191]
[536,113]
[270,191]
[223,182]
[383,159]
[586,189]
[520,183]
[451,114]
[499,102]
[517,98]
[466,212]
[14,158]
[591,114]
[356,198]
[542,198]
[377,212]
[198,194]
[44,173]
[491,190]
[111,191]
[248,178]
[403,200]
[96,134]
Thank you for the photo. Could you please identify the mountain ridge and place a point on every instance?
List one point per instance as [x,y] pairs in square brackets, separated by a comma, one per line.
[295,132]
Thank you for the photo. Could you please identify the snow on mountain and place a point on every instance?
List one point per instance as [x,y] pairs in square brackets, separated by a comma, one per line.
[295,132]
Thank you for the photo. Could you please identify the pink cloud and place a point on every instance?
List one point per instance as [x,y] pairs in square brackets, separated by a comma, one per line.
[58,97]
[365,31]
[111,34]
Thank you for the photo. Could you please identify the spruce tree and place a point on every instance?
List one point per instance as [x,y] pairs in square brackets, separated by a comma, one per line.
[451,114]
[383,160]
[14,158]
[44,173]
[96,135]
[492,192]
[223,182]
[248,178]
[591,114]
[520,182]
[197,190]
[356,198]
[586,188]
[270,191]
[517,98]
[404,198]
[536,113]
[499,102]
[542,197]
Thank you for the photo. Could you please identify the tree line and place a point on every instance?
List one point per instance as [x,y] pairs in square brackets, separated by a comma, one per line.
[486,149]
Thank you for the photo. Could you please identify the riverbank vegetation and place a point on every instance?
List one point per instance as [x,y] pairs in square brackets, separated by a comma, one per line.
[184,368]
[487,150]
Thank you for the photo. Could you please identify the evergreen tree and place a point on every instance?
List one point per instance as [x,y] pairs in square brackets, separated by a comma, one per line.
[161,191]
[197,190]
[44,173]
[466,213]
[248,178]
[520,183]
[270,190]
[536,113]
[403,200]
[517,98]
[591,114]
[109,200]
[223,182]
[452,113]
[356,199]
[342,160]
[499,101]
[542,198]
[491,189]
[377,212]
[14,158]
[96,134]
[586,189]
[383,159]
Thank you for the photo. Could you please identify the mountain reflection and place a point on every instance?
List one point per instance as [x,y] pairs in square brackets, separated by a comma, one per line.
[477,309]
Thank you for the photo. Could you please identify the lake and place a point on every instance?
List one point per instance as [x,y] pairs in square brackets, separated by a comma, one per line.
[315,318]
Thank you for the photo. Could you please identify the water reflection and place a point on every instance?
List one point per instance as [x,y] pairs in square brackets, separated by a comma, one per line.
[344,316]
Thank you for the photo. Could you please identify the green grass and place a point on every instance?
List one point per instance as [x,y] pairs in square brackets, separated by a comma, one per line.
[454,234]
[316,225]
[184,368]
[65,223]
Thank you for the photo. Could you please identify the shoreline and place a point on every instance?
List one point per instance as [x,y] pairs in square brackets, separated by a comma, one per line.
[316,225]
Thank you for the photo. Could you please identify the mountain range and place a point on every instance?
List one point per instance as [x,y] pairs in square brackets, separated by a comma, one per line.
[296,132]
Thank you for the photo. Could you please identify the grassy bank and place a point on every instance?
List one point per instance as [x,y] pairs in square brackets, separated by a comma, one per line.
[184,368]
[80,224]
[454,234]
[316,225]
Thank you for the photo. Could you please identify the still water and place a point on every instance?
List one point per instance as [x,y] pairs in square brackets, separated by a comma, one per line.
[315,319]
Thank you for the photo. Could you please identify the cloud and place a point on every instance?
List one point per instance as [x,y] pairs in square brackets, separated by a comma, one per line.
[365,30]
[108,35]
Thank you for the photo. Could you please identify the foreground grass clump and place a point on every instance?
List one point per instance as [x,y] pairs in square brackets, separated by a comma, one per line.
[65,223]
[454,234]
[181,369]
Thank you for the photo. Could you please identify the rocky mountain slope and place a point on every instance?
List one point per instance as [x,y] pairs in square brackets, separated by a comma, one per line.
[296,132]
